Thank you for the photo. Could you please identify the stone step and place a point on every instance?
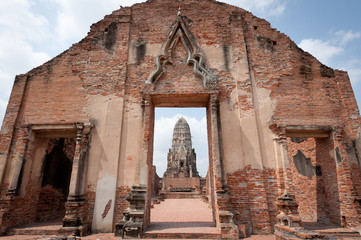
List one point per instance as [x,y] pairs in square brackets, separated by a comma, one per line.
[327,233]
[342,234]
[181,195]
[41,232]
[52,227]
[156,235]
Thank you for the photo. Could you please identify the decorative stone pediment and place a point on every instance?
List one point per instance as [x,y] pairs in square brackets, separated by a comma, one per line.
[181,34]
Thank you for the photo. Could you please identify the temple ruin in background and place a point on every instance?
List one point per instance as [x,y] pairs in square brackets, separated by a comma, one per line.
[181,175]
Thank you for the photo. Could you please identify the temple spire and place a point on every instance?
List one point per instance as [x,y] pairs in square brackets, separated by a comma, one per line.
[181,156]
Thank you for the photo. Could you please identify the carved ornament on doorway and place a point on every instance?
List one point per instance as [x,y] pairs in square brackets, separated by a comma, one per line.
[195,58]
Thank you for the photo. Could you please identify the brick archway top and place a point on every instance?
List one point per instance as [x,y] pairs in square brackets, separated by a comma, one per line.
[181,33]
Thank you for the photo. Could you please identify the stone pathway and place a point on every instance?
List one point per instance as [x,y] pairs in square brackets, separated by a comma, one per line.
[182,216]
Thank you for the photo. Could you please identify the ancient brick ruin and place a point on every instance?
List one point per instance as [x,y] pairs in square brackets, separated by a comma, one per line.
[284,130]
[181,175]
[181,161]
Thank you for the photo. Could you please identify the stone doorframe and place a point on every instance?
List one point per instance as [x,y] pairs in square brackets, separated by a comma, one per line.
[75,206]
[287,205]
[287,201]
[75,215]
[208,100]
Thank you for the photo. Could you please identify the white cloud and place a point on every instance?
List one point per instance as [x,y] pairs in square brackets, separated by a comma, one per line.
[20,29]
[17,20]
[353,67]
[163,130]
[336,46]
[3,105]
[355,74]
[263,8]
[75,17]
[346,36]
[323,51]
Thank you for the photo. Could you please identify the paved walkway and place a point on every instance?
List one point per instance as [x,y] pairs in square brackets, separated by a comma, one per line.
[171,216]
[182,216]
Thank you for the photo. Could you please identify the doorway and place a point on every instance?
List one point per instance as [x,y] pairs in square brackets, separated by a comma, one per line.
[56,173]
[180,199]
[201,102]
[315,180]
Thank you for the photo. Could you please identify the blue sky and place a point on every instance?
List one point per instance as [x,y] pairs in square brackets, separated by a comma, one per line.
[34,31]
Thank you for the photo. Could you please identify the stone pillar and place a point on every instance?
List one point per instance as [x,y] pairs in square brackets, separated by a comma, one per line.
[76,212]
[287,205]
[287,174]
[279,165]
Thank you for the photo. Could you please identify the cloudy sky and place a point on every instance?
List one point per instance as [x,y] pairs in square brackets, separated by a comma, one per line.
[34,31]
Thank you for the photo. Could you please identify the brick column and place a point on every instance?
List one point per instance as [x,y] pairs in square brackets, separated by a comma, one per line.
[349,200]
[224,218]
[137,217]
[147,157]
[17,159]
[216,148]
[287,206]
[75,215]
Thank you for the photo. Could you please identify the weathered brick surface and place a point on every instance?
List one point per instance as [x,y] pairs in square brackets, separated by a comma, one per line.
[317,196]
[121,203]
[116,59]
[253,198]
[51,204]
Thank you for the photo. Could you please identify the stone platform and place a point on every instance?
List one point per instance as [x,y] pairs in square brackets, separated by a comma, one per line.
[331,230]
[314,230]
[180,195]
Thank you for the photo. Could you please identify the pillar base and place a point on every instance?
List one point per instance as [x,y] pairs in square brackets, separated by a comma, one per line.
[131,226]
[288,211]
[229,230]
[75,214]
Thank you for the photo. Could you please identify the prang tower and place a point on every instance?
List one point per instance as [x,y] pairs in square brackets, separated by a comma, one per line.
[181,156]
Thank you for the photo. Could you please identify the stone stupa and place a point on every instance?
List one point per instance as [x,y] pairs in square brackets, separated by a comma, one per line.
[181,156]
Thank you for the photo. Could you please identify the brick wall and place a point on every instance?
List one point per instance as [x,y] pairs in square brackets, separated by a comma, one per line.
[51,204]
[121,204]
[181,183]
[253,198]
